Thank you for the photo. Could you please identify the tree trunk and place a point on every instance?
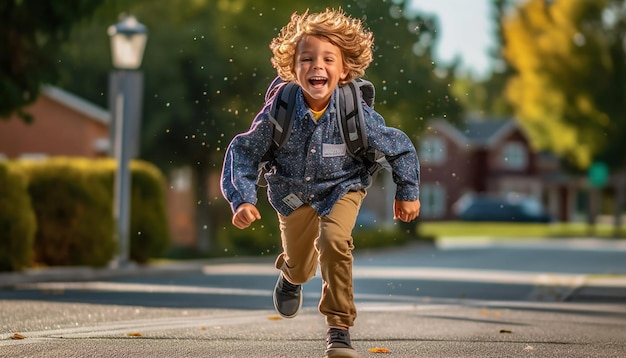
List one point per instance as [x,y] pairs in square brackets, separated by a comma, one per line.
[620,202]
[593,211]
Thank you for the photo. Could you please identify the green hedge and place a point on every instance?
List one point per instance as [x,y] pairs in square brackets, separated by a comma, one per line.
[261,238]
[149,226]
[17,219]
[74,212]
[73,202]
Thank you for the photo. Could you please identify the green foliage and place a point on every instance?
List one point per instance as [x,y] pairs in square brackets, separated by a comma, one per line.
[380,237]
[149,228]
[571,82]
[261,238]
[17,219]
[74,213]
[410,88]
[73,202]
[254,241]
[31,34]
[207,68]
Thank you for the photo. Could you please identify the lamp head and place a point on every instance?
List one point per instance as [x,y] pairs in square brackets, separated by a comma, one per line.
[128,42]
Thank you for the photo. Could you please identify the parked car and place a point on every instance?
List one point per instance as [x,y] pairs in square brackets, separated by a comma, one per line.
[496,208]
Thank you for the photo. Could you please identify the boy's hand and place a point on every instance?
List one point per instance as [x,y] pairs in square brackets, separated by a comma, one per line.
[406,211]
[245,215]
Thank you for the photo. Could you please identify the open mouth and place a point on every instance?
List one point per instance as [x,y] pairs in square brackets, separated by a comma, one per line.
[318,81]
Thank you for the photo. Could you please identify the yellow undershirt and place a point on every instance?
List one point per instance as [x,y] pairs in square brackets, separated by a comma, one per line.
[318,114]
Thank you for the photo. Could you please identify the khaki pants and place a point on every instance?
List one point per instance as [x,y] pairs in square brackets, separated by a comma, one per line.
[307,239]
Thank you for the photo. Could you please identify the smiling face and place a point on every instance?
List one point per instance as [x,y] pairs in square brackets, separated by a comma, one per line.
[318,69]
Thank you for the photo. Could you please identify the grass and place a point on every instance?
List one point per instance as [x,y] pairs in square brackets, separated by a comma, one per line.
[517,230]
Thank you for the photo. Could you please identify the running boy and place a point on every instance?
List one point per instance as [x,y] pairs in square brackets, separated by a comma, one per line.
[314,185]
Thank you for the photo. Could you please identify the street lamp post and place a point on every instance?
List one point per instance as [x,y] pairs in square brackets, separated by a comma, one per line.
[128,41]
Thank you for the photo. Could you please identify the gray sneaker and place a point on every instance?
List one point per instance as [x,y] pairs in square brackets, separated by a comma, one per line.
[338,344]
[287,297]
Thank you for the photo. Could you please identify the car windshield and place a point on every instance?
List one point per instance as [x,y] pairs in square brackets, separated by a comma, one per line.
[531,207]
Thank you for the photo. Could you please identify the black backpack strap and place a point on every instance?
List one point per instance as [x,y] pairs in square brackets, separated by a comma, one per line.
[282,113]
[273,87]
[351,119]
[367,91]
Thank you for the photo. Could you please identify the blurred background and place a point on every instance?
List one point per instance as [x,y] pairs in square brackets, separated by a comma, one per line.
[517,109]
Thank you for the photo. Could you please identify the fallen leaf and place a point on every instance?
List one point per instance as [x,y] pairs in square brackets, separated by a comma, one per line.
[487,312]
[379,350]
[274,318]
[17,336]
[134,334]
[202,328]
[505,331]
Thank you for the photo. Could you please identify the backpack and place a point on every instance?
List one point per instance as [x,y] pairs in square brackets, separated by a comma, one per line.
[351,122]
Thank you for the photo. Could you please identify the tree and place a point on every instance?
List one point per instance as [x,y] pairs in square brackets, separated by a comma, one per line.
[570,88]
[410,89]
[31,34]
[207,68]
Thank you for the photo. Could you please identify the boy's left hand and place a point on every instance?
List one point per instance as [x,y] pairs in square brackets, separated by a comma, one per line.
[406,211]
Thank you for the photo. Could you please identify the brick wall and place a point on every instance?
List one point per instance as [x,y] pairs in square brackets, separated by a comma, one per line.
[57,130]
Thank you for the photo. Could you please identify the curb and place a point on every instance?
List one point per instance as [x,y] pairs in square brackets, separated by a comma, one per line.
[8,280]
[609,289]
[85,273]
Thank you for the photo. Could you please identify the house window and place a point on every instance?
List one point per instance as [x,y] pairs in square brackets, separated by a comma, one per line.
[433,201]
[514,156]
[432,150]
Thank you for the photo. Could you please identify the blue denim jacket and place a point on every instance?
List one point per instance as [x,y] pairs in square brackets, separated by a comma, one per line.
[313,167]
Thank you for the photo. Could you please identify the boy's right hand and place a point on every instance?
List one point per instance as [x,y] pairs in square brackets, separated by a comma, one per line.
[245,215]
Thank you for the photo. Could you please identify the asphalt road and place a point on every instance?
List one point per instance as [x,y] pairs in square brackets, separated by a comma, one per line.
[480,299]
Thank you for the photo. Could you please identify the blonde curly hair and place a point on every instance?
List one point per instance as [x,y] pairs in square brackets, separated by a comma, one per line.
[349,34]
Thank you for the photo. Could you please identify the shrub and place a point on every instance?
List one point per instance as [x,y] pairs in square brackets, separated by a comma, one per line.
[261,238]
[149,226]
[149,230]
[379,237]
[73,201]
[17,219]
[74,213]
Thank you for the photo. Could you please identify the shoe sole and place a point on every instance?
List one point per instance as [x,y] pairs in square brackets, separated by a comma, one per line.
[280,277]
[340,353]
